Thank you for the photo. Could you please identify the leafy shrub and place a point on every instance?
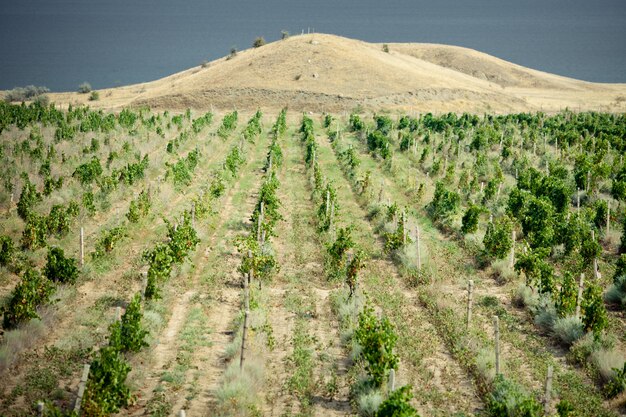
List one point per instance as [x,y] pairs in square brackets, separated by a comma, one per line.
[32,291]
[182,239]
[58,220]
[594,312]
[94,96]
[568,330]
[7,250]
[106,389]
[234,160]
[108,240]
[59,268]
[160,262]
[377,339]
[617,384]
[616,293]
[28,198]
[336,259]
[25,93]
[89,171]
[84,88]
[398,404]
[139,207]
[566,298]
[445,203]
[128,335]
[508,400]
[88,203]
[498,240]
[35,231]
[258,42]
[378,142]
[470,219]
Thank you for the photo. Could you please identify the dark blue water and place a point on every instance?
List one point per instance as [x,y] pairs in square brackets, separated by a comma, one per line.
[61,43]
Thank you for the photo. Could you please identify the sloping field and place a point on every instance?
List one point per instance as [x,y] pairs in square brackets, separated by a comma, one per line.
[329,73]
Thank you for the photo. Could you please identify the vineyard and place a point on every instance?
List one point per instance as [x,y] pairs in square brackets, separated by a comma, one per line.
[289,264]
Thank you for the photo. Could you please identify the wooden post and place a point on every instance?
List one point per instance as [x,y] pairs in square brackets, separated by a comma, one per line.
[327,202]
[403,227]
[380,194]
[496,334]
[82,247]
[144,284]
[608,217]
[499,189]
[596,271]
[246,294]
[251,272]
[182,413]
[546,399]
[270,164]
[40,408]
[392,381]
[470,293]
[579,297]
[512,260]
[243,339]
[118,313]
[81,389]
[419,255]
[262,239]
[482,185]
[259,221]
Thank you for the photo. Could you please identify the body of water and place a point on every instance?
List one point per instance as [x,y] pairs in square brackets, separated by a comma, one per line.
[61,43]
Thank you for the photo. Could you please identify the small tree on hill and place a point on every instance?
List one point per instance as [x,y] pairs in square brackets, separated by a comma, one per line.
[258,42]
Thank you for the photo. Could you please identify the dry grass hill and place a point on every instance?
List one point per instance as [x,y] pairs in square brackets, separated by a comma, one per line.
[320,72]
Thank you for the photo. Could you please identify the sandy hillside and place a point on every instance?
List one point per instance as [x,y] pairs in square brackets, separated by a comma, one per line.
[321,72]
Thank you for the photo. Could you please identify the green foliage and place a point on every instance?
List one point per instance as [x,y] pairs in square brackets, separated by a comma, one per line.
[356,124]
[377,339]
[253,128]
[328,120]
[533,265]
[89,171]
[127,335]
[620,267]
[229,123]
[88,203]
[338,250]
[622,246]
[271,205]
[498,241]
[378,142]
[538,222]
[32,291]
[263,264]
[35,231]
[108,240]
[398,404]
[508,400]
[7,250]
[594,313]
[565,301]
[58,220]
[182,239]
[258,42]
[106,389]
[29,197]
[354,266]
[59,268]
[617,384]
[395,240]
[445,203]
[139,207]
[470,219]
[383,124]
[234,160]
[182,169]
[160,261]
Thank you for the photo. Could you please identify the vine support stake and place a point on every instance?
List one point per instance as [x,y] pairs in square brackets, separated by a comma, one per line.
[470,295]
[182,413]
[496,334]
[546,399]
[81,388]
[579,297]
[144,284]
[259,221]
[608,217]
[512,259]
[82,247]
[327,202]
[403,228]
[392,381]
[243,339]
[118,313]
[40,408]
[419,255]
[596,270]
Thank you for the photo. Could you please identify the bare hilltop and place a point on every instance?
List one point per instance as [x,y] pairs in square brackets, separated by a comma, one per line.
[320,72]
